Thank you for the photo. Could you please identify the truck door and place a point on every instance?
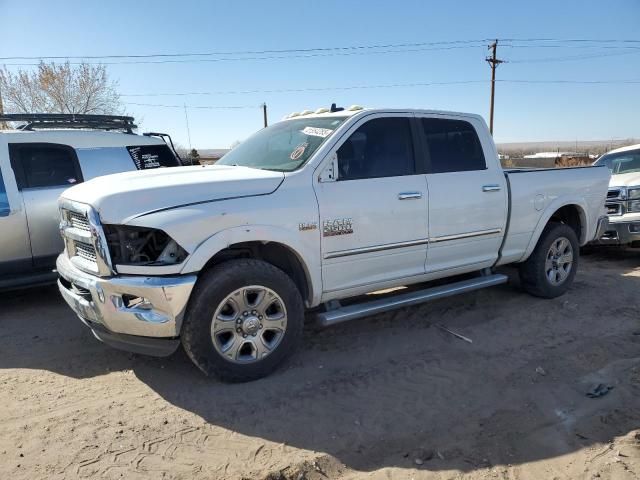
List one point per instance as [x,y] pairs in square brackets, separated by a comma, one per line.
[373,216]
[467,195]
[15,249]
[43,172]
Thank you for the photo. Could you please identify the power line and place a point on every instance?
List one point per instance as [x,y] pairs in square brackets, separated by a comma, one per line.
[574,57]
[215,107]
[309,89]
[247,52]
[318,49]
[375,86]
[275,54]
[265,57]
[354,87]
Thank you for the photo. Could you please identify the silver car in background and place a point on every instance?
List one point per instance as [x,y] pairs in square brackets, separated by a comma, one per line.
[45,156]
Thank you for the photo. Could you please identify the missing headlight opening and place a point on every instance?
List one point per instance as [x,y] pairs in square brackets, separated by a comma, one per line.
[142,246]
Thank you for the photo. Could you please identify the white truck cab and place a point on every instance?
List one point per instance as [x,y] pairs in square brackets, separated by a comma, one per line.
[623,197]
[311,211]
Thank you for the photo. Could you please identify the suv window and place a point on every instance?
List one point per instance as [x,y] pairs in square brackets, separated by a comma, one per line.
[382,147]
[44,165]
[453,146]
[152,156]
[4,200]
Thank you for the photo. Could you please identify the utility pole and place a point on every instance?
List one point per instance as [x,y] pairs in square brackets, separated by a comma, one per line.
[264,113]
[494,62]
[186,118]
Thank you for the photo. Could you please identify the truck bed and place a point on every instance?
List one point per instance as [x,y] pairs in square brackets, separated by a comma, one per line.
[533,194]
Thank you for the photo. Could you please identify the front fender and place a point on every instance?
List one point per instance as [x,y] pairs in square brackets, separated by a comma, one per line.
[307,251]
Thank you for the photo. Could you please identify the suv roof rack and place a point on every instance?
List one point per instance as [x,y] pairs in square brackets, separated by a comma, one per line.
[36,121]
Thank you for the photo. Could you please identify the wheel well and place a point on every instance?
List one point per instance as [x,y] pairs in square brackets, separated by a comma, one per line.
[570,215]
[274,253]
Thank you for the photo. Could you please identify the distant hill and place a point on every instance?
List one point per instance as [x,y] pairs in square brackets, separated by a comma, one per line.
[598,147]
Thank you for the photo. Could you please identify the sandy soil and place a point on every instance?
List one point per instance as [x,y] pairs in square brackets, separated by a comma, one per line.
[388,397]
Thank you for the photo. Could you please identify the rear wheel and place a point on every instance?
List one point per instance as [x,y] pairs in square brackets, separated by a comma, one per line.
[551,268]
[244,319]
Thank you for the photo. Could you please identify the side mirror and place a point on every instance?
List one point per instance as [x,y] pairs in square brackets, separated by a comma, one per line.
[330,172]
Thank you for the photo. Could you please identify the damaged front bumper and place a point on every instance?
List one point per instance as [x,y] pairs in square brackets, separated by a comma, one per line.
[141,314]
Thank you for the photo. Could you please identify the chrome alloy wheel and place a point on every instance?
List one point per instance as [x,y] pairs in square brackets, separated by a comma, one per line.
[249,324]
[559,261]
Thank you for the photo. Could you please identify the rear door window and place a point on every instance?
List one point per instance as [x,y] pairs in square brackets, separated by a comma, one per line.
[152,156]
[38,165]
[452,145]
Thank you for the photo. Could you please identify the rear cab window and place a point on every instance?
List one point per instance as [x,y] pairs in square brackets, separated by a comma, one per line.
[152,156]
[452,145]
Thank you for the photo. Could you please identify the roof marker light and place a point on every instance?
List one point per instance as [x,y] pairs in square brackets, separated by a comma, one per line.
[322,110]
[306,112]
[354,108]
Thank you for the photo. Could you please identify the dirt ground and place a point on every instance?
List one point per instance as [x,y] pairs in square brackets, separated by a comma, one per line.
[388,397]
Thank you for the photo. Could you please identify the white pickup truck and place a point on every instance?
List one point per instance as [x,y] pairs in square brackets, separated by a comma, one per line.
[623,197]
[316,209]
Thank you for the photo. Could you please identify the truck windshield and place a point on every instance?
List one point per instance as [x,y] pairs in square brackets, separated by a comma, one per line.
[622,162]
[284,146]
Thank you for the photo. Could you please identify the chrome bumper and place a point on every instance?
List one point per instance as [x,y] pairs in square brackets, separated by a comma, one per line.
[603,225]
[620,233]
[126,305]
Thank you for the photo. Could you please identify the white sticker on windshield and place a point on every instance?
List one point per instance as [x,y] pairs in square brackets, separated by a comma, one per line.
[317,132]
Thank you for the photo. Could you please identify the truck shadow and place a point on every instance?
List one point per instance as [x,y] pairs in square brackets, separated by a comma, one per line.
[386,390]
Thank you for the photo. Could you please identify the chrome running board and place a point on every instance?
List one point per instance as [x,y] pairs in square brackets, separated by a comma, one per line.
[351,312]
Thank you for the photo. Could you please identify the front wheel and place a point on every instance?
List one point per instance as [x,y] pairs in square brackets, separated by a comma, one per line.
[245,317]
[551,268]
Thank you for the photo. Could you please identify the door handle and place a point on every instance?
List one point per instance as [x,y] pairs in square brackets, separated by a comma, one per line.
[409,195]
[491,188]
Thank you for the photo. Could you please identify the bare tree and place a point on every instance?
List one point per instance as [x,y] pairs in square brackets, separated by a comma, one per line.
[60,88]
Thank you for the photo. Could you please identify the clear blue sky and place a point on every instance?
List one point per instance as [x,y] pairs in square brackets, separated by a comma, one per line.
[523,111]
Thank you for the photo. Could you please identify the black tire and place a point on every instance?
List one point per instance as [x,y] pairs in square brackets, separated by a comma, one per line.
[211,290]
[534,276]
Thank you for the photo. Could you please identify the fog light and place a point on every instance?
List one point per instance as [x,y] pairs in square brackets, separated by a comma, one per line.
[634,228]
[133,301]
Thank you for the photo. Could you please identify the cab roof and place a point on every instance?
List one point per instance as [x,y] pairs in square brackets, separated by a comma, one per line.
[359,111]
[625,149]
[78,138]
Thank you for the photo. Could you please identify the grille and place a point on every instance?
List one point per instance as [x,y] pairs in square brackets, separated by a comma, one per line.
[613,193]
[85,251]
[614,208]
[78,221]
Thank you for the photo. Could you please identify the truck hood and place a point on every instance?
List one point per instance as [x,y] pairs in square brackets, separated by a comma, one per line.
[121,197]
[630,179]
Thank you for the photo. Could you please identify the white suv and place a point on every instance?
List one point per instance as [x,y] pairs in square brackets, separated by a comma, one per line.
[46,155]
